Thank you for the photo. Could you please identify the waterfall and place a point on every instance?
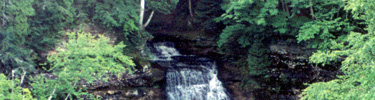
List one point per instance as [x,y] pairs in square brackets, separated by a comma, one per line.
[188,77]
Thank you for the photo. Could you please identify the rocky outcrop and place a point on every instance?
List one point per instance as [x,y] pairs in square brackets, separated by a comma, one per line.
[292,55]
[291,69]
[143,84]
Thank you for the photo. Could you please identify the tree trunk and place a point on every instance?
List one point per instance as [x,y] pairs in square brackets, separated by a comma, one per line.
[141,16]
[312,11]
[141,13]
[287,9]
[190,10]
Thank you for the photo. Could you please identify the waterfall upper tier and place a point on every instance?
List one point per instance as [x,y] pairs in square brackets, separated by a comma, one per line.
[189,77]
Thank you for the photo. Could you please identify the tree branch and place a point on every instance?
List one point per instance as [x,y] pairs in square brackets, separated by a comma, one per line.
[23,76]
[53,92]
[66,98]
[148,20]
[190,10]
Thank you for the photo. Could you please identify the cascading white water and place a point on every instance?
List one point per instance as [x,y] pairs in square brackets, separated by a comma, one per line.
[188,77]
[163,52]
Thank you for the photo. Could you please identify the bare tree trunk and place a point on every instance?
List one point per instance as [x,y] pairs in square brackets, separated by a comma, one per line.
[141,13]
[287,9]
[312,11]
[141,16]
[148,20]
[191,10]
[283,5]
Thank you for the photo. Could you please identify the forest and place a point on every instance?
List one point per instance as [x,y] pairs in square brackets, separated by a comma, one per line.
[264,49]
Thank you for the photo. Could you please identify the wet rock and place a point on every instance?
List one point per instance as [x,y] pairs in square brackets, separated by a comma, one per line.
[229,72]
[157,75]
[292,55]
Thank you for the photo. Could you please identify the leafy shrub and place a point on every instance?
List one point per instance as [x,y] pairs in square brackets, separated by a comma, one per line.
[83,56]
[10,90]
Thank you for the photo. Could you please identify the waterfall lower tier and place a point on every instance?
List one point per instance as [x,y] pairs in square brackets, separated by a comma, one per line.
[188,77]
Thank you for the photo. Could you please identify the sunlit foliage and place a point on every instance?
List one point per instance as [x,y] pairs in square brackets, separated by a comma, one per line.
[83,56]
[11,90]
[358,65]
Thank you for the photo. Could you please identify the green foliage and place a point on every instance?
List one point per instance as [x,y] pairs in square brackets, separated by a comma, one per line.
[358,65]
[321,33]
[30,28]
[205,13]
[121,15]
[13,35]
[27,34]
[162,6]
[208,9]
[322,24]
[328,25]
[10,90]
[86,57]
[247,25]
[117,14]
[52,16]
[257,60]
